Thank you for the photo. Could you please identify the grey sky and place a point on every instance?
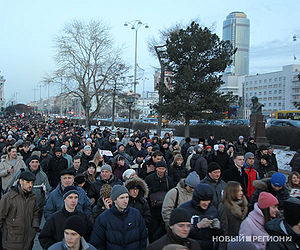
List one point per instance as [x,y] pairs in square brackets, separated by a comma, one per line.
[28,28]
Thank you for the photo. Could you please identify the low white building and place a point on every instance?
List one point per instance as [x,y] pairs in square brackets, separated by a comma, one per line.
[276,90]
[144,104]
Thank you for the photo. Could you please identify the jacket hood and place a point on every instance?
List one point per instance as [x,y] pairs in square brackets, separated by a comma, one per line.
[138,182]
[202,192]
[273,227]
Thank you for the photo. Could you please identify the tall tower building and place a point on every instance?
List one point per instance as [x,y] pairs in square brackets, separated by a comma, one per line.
[236,29]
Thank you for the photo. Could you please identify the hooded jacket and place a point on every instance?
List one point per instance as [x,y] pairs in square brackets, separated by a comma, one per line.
[18,219]
[265,185]
[140,203]
[55,166]
[170,199]
[254,225]
[199,164]
[116,230]
[203,235]
[278,227]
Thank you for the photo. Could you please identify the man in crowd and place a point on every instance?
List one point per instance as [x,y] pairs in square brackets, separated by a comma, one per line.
[73,236]
[64,150]
[56,164]
[53,230]
[251,173]
[55,200]
[106,177]
[41,186]
[178,231]
[116,219]
[9,166]
[275,186]
[213,179]
[19,219]
[237,172]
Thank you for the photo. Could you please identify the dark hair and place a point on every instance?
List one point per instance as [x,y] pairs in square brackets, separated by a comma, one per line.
[237,154]
[188,139]
[76,157]
[157,153]
[10,148]
[266,213]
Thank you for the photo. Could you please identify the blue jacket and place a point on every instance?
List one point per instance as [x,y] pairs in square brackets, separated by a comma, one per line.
[55,202]
[115,230]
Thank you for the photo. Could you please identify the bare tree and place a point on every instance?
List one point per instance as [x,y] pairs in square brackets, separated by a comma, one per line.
[87,64]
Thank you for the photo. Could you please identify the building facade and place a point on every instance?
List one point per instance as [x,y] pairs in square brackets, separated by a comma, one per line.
[236,29]
[2,81]
[276,90]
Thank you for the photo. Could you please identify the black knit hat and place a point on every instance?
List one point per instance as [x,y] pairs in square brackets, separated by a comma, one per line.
[70,190]
[31,158]
[291,209]
[161,164]
[67,171]
[76,224]
[212,167]
[179,215]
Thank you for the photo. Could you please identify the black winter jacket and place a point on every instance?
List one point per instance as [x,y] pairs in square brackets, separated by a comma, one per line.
[94,190]
[199,164]
[53,230]
[203,235]
[55,166]
[177,172]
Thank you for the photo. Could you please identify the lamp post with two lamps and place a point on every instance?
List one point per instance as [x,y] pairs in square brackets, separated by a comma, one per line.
[135,25]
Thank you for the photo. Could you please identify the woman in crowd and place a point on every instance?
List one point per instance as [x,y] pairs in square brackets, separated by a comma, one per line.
[233,210]
[293,183]
[265,210]
[177,170]
[99,162]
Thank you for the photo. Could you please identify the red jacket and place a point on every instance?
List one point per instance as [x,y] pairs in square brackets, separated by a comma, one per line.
[252,176]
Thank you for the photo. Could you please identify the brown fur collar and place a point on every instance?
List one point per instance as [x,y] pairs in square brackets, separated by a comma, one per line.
[235,209]
[138,181]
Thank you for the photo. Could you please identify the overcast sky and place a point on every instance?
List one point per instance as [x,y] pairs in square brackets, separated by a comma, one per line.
[28,29]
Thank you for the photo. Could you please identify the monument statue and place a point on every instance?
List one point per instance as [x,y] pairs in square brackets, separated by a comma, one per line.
[256,106]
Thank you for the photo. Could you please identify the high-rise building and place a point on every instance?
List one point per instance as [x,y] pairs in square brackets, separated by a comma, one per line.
[236,29]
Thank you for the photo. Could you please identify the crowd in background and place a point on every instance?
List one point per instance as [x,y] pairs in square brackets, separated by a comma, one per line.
[108,189]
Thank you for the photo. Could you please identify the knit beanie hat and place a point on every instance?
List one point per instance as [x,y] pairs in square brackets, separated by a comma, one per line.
[117,190]
[278,179]
[249,155]
[126,175]
[75,223]
[69,190]
[106,167]
[291,208]
[212,167]
[86,148]
[192,179]
[179,215]
[266,200]
[161,164]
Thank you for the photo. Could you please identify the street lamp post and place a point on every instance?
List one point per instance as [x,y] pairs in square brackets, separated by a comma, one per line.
[135,25]
[129,100]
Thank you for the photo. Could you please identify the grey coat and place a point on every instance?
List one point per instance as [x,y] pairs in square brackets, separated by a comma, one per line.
[218,188]
[63,246]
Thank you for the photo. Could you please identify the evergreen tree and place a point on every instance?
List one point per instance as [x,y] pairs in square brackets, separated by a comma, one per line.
[196,57]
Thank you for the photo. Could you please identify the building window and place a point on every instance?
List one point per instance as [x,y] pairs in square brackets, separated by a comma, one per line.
[279,97]
[265,80]
[255,93]
[270,80]
[265,92]
[279,91]
[270,92]
[279,85]
[259,93]
[275,91]
[275,79]
[269,104]
[279,79]
[259,81]
[270,86]
[279,104]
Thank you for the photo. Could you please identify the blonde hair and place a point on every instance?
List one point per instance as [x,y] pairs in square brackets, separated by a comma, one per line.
[176,158]
[96,159]
[230,192]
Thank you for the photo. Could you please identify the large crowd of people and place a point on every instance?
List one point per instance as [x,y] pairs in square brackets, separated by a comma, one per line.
[100,189]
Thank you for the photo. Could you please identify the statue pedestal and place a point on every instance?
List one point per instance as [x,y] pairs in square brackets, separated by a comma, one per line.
[257,129]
